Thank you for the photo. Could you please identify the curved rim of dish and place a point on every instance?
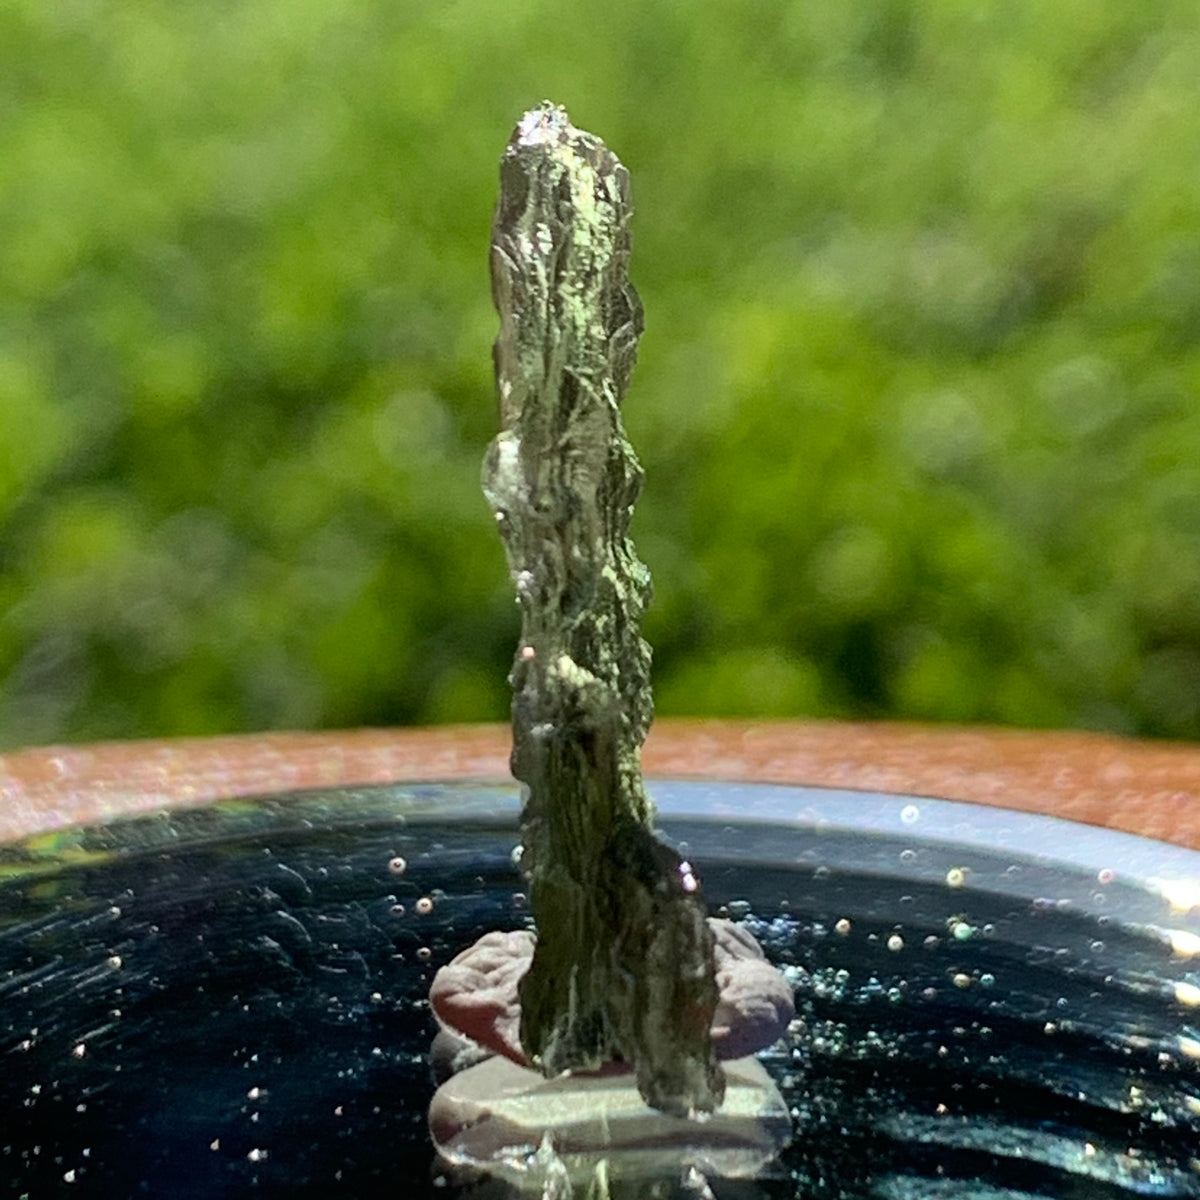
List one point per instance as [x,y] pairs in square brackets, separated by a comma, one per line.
[948,827]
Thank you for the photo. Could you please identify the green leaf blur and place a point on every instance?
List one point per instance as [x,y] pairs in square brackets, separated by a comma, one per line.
[917,398]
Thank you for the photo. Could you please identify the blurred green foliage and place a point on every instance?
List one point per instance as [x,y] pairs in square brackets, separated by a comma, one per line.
[917,398]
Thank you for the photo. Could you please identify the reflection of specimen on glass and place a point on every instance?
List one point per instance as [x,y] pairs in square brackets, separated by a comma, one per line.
[623,966]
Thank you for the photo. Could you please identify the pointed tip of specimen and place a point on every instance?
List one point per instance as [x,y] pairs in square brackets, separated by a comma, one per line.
[548,122]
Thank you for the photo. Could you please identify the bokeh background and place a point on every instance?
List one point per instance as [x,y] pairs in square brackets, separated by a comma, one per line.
[917,398]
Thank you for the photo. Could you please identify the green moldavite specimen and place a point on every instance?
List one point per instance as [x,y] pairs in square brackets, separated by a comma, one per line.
[623,966]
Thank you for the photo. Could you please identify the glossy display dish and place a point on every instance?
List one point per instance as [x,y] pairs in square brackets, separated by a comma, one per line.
[229,998]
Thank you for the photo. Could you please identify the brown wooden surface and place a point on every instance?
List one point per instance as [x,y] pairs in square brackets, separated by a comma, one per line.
[1143,787]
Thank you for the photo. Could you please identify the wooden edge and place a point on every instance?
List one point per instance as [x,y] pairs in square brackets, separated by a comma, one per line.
[1150,788]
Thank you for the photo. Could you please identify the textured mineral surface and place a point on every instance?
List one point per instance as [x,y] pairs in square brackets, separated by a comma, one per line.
[623,965]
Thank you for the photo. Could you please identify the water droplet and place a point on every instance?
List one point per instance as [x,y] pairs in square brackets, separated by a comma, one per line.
[1184,943]
[1187,994]
[910,814]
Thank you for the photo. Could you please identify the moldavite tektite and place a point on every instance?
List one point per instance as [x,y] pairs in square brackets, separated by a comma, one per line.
[623,967]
